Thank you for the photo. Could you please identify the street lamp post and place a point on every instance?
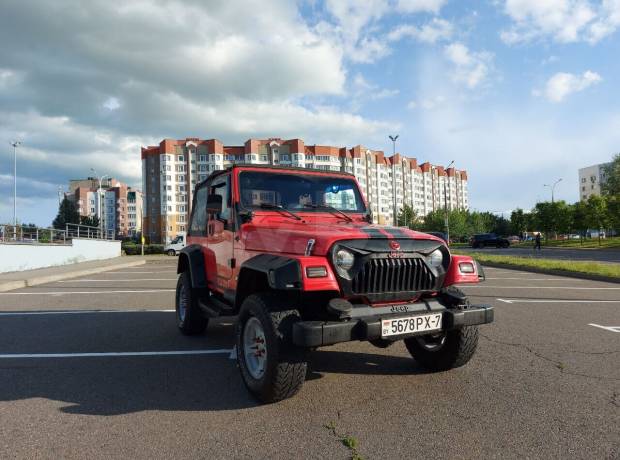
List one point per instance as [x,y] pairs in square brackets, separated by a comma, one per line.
[445,196]
[552,187]
[15,144]
[393,139]
[99,204]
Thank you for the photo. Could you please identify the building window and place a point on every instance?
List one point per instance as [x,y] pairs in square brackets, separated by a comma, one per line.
[263,158]
[181,158]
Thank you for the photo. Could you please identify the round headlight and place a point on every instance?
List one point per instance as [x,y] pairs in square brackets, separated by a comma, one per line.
[435,258]
[344,259]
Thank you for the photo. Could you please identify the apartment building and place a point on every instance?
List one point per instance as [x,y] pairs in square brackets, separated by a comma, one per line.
[591,179]
[171,169]
[119,207]
[134,212]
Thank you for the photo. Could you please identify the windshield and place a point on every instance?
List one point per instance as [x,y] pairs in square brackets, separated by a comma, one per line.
[298,192]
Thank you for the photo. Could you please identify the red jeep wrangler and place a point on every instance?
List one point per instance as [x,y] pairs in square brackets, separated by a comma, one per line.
[292,252]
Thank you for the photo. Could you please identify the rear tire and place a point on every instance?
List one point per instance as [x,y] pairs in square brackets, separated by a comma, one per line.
[272,367]
[440,352]
[190,319]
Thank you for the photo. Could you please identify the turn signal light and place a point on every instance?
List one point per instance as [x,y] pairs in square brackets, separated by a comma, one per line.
[466,267]
[316,272]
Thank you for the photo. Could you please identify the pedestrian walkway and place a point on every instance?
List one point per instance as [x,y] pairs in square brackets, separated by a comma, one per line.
[18,280]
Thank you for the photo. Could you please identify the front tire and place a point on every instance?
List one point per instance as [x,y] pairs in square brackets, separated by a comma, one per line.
[440,352]
[190,319]
[272,367]
[171,252]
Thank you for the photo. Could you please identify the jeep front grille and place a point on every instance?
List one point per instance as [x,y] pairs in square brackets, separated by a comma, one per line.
[393,275]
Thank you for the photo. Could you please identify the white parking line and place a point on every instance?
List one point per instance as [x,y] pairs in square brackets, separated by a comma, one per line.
[607,328]
[61,293]
[116,354]
[555,301]
[124,280]
[172,270]
[535,279]
[76,312]
[546,287]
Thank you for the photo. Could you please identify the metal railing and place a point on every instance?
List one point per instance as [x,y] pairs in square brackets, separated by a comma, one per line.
[28,234]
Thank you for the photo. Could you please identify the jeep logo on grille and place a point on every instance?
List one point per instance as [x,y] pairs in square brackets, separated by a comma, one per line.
[394,245]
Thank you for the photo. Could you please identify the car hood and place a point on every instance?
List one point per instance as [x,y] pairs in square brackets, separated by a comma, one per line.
[289,236]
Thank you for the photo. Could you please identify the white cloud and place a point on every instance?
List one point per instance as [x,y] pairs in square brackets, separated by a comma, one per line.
[428,103]
[564,21]
[431,32]
[125,76]
[364,90]
[354,26]
[562,84]
[112,103]
[470,68]
[418,6]
[353,19]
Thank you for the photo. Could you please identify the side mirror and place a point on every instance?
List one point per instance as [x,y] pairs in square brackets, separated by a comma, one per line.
[214,204]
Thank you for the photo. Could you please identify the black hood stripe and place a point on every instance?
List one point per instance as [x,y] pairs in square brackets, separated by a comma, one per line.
[373,232]
[395,232]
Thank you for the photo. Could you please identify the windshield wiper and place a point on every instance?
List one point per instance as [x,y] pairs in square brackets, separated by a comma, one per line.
[281,209]
[328,208]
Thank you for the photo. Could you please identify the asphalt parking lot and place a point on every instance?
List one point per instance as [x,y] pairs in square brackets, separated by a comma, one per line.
[95,368]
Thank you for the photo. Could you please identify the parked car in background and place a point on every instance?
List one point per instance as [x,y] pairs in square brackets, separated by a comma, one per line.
[513,239]
[488,239]
[441,235]
[175,246]
[595,233]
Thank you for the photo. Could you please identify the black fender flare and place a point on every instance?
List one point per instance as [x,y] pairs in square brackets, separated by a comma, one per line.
[268,272]
[191,259]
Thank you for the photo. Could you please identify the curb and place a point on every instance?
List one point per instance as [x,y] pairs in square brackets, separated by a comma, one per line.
[19,284]
[567,274]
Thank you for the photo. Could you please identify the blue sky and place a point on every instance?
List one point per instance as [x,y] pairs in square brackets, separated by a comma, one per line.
[518,92]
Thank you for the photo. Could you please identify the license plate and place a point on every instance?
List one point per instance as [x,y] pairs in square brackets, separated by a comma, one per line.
[409,324]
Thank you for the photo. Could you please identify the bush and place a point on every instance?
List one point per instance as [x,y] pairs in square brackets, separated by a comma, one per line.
[132,249]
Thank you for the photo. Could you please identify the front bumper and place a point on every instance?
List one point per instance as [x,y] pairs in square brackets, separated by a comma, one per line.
[365,324]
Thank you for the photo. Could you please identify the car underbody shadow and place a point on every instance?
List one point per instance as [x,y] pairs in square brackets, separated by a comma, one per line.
[324,361]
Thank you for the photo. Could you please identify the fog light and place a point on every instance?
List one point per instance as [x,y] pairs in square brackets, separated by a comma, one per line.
[316,272]
[466,267]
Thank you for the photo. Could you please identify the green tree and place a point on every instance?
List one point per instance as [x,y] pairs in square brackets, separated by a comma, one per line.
[613,211]
[407,217]
[518,221]
[596,212]
[91,221]
[477,223]
[67,214]
[544,217]
[459,229]
[435,221]
[563,217]
[611,186]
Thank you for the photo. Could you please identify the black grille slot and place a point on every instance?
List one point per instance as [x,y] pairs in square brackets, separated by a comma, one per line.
[393,275]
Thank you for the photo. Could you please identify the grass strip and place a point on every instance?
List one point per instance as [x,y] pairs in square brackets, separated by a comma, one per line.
[588,268]
[588,243]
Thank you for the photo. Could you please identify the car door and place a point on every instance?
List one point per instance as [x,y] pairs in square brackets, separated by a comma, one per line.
[220,234]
